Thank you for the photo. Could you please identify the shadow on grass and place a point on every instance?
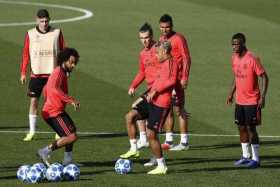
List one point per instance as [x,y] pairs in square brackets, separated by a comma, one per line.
[12,127]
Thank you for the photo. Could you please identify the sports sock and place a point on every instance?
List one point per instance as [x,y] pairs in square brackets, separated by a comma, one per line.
[47,150]
[184,139]
[32,123]
[143,136]
[161,161]
[68,156]
[169,137]
[133,144]
[245,150]
[255,152]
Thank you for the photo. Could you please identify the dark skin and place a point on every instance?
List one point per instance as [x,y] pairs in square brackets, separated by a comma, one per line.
[248,132]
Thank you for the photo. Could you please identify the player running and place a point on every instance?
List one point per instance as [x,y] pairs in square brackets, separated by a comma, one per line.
[53,112]
[247,68]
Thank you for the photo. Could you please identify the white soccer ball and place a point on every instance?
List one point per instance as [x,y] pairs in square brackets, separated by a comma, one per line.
[71,172]
[55,172]
[123,166]
[21,172]
[42,168]
[34,175]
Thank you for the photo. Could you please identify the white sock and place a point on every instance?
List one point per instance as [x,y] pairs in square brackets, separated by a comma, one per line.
[32,123]
[133,144]
[143,136]
[245,150]
[255,152]
[169,137]
[184,138]
[47,150]
[68,156]
[161,161]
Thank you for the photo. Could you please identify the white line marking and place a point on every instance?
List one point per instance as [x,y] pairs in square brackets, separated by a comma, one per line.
[115,133]
[87,13]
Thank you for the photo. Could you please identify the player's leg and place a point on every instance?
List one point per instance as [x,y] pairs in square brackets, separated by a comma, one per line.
[142,142]
[34,91]
[182,115]
[157,116]
[65,128]
[252,116]
[169,126]
[243,135]
[139,112]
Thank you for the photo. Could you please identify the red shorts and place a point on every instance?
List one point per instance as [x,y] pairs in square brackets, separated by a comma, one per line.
[179,98]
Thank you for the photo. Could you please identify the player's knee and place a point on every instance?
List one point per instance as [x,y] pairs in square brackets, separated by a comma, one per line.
[129,117]
[150,133]
[73,137]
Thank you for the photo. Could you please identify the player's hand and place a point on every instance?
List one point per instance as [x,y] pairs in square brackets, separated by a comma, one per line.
[261,102]
[229,99]
[22,79]
[76,105]
[131,92]
[183,84]
[150,96]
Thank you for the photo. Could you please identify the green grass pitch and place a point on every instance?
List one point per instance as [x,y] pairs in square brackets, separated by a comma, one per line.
[109,47]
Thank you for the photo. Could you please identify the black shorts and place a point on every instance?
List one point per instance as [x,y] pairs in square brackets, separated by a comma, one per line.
[155,115]
[247,115]
[141,106]
[36,86]
[62,124]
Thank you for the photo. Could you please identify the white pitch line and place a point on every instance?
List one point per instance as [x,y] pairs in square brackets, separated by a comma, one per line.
[87,13]
[115,133]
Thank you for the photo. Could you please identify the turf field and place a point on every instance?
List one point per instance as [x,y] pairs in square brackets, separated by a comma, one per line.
[109,49]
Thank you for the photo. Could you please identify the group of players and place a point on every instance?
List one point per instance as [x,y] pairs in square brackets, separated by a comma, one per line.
[165,66]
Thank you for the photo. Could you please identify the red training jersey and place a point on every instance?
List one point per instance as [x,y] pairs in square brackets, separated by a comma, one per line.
[246,70]
[148,65]
[55,94]
[26,53]
[181,54]
[164,83]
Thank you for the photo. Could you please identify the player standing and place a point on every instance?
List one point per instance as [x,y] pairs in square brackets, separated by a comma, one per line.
[148,65]
[56,98]
[247,68]
[181,54]
[41,46]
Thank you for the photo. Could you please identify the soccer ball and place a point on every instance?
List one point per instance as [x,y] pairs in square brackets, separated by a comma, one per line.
[21,172]
[42,168]
[34,175]
[55,172]
[71,172]
[123,166]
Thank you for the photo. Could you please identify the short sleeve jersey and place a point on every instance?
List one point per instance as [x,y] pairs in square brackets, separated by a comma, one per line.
[246,71]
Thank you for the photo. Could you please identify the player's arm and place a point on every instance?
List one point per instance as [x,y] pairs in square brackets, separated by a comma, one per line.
[231,92]
[25,59]
[186,58]
[263,86]
[139,78]
[55,85]
[61,41]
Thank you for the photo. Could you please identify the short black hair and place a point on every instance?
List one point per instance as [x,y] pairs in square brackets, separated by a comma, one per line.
[146,27]
[65,54]
[239,36]
[43,13]
[166,18]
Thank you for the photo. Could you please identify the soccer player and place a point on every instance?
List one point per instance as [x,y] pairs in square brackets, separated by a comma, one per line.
[249,99]
[156,103]
[41,46]
[181,54]
[148,65]
[55,94]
